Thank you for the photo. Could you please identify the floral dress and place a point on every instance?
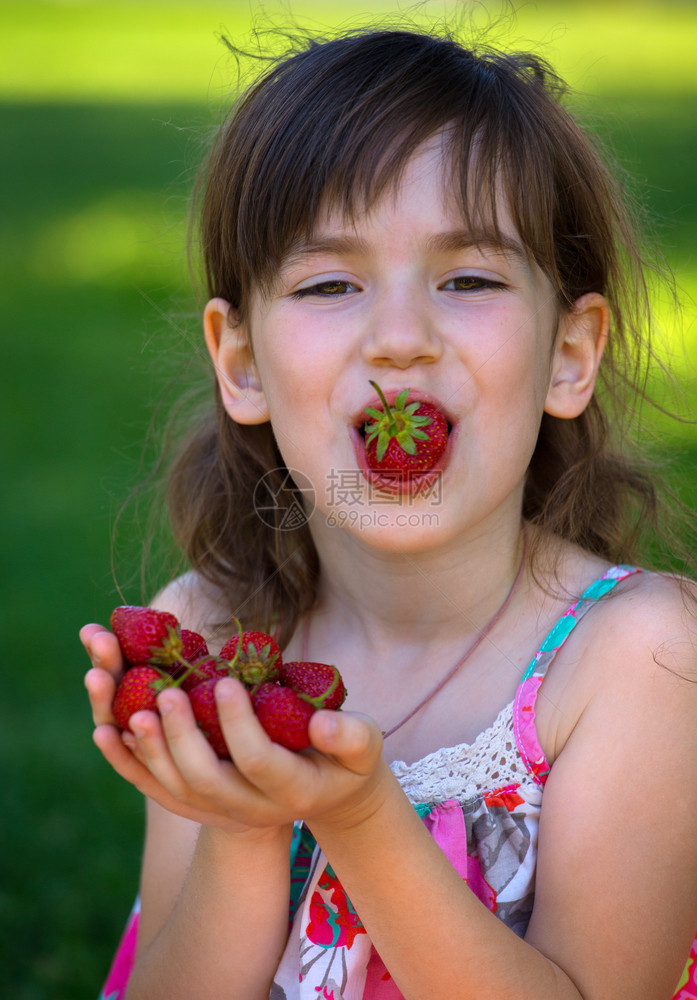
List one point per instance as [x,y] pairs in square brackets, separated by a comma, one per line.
[481,804]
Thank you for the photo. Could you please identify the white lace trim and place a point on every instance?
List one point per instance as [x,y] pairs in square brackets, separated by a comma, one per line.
[464,771]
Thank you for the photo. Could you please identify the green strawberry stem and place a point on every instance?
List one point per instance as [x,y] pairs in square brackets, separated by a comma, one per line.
[169,650]
[320,699]
[169,653]
[192,669]
[233,661]
[392,426]
[399,423]
[257,670]
[166,679]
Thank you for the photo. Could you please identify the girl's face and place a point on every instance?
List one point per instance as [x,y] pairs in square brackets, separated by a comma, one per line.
[405,296]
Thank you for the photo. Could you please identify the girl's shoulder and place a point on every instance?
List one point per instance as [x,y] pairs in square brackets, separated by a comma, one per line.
[638,647]
[629,609]
[647,623]
[199,606]
[648,611]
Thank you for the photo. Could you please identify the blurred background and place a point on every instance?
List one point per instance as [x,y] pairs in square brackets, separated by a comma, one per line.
[105,111]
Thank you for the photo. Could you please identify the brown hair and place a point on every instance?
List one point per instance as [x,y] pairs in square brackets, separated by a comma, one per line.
[335,122]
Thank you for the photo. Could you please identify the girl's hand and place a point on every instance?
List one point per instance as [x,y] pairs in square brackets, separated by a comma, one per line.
[121,750]
[168,759]
[266,785]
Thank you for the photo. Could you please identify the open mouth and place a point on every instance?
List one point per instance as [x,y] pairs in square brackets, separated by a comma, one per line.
[402,438]
[361,428]
[393,482]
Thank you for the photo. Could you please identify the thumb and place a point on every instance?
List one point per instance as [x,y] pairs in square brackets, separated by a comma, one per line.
[354,740]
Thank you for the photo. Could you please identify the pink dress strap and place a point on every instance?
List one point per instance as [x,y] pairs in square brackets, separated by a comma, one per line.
[526,695]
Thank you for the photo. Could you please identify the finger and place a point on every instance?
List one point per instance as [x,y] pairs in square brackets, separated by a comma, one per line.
[103,648]
[250,747]
[106,653]
[353,740]
[155,753]
[216,784]
[271,770]
[198,763]
[129,741]
[187,745]
[101,688]
[109,741]
[86,633]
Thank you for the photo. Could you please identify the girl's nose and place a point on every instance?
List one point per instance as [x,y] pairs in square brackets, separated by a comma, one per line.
[401,332]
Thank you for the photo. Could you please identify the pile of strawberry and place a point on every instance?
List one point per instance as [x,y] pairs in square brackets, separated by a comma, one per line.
[161,654]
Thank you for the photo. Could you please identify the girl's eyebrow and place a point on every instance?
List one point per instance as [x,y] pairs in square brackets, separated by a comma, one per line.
[465,239]
[334,245]
[459,239]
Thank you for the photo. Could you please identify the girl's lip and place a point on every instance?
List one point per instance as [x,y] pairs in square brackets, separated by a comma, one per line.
[416,483]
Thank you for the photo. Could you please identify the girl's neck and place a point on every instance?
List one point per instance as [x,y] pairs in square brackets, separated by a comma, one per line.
[417,599]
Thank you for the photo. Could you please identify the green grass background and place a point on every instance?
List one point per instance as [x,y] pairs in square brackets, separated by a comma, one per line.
[104,110]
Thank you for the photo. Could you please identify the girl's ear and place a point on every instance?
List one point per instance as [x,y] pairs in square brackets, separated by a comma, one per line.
[581,340]
[238,378]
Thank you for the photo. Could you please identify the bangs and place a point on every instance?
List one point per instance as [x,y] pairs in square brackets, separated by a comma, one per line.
[334,126]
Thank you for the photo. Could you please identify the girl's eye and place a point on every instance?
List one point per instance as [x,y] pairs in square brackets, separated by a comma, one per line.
[469,283]
[326,289]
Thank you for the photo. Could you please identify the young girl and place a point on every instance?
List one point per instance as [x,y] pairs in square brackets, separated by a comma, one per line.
[507,804]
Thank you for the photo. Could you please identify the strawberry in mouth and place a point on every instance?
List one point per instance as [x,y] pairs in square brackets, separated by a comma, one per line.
[405,440]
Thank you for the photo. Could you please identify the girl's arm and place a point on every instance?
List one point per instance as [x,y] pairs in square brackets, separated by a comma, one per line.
[214,921]
[433,934]
[214,892]
[616,894]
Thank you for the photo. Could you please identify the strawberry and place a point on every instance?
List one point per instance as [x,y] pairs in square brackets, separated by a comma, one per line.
[396,440]
[146,635]
[205,710]
[138,691]
[193,645]
[255,657]
[284,715]
[318,680]
[206,669]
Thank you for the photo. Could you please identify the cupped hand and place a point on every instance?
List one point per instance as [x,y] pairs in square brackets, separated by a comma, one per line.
[264,784]
[121,750]
[167,758]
